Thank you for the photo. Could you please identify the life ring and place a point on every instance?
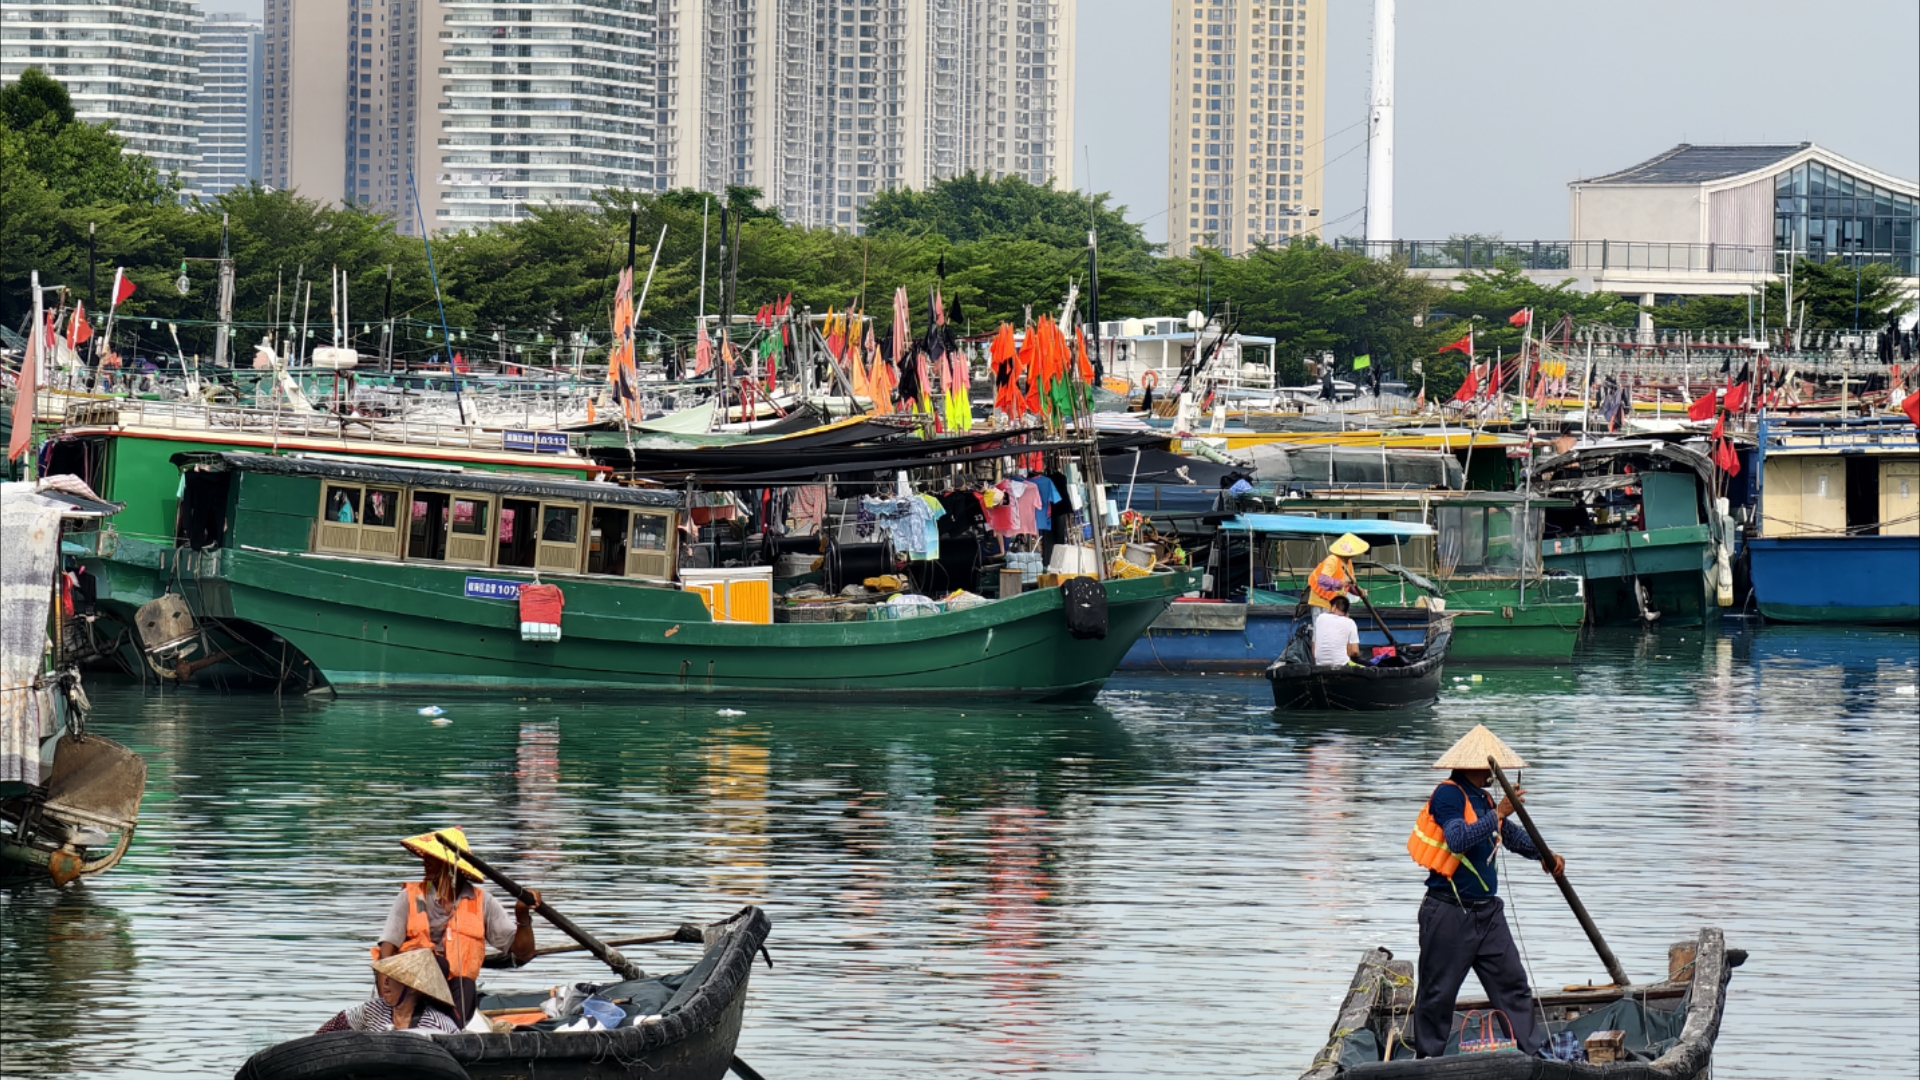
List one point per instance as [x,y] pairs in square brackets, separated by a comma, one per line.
[1150,380]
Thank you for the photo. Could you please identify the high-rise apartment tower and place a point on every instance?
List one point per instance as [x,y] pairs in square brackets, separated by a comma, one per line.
[1248,97]
[487,109]
[133,63]
[821,104]
[228,100]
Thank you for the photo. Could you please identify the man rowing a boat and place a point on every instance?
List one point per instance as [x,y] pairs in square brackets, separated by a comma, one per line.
[447,912]
[1463,923]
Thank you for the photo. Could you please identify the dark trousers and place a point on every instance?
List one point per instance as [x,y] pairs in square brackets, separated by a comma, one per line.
[1453,941]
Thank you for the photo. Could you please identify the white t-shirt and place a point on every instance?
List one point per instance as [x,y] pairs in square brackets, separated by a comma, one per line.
[1332,633]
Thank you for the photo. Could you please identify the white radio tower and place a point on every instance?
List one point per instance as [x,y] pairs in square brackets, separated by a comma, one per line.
[1380,132]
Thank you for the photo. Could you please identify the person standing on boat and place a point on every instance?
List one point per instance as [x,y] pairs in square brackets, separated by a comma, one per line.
[1463,923]
[1334,576]
[447,911]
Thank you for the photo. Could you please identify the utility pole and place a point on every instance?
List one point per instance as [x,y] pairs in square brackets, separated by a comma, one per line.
[222,336]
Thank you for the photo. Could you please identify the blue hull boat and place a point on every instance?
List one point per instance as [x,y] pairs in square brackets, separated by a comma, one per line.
[1201,635]
[1838,579]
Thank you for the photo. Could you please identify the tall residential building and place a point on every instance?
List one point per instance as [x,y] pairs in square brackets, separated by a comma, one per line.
[1244,153]
[132,63]
[231,74]
[821,104]
[303,129]
[487,109]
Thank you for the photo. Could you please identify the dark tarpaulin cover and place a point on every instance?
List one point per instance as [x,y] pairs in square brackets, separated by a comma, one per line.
[440,479]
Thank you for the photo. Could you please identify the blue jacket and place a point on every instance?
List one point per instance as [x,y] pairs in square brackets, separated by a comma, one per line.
[1476,877]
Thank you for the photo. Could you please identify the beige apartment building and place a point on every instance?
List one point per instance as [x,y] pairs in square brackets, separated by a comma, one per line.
[822,104]
[1248,119]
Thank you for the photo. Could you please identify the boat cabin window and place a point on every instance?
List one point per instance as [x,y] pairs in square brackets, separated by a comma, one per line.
[651,545]
[358,519]
[202,521]
[468,520]
[1482,540]
[515,547]
[560,545]
[427,528]
[607,540]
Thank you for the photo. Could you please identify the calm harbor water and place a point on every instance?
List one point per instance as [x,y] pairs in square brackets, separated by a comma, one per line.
[1170,879]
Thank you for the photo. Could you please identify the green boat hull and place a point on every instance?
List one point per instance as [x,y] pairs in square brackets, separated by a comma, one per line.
[372,626]
[1663,570]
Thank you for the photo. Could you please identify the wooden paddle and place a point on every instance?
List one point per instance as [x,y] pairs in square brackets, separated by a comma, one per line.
[686,934]
[1377,620]
[601,951]
[1614,970]
[606,954]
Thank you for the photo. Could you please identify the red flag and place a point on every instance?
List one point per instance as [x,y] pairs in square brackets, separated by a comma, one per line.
[1521,317]
[1911,407]
[1464,345]
[1736,397]
[1719,428]
[1470,387]
[78,331]
[1702,406]
[122,286]
[459,361]
[1726,457]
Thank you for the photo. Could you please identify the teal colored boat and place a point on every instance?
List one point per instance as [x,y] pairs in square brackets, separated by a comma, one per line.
[319,572]
[1507,606]
[1643,524]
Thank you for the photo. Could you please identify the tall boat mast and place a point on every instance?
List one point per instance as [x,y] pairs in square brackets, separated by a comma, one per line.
[1380,132]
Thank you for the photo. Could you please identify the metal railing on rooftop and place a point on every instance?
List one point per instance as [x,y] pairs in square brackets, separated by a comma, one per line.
[1587,256]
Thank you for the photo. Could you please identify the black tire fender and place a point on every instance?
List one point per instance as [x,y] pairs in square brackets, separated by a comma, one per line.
[354,1055]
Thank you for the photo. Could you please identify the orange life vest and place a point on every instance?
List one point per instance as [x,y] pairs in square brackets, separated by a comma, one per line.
[463,944]
[1333,566]
[1428,844]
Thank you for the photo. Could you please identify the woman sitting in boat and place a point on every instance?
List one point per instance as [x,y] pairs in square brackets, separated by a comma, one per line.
[411,993]
[1336,639]
[447,912]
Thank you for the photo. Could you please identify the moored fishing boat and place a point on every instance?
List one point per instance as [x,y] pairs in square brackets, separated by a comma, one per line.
[69,799]
[1645,524]
[1836,535]
[1662,1031]
[677,1027]
[366,577]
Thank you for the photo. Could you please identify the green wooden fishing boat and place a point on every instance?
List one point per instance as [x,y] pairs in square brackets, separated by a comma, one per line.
[356,577]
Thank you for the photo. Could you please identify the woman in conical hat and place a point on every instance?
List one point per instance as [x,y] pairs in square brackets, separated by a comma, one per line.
[449,915]
[1334,576]
[1463,923]
[412,992]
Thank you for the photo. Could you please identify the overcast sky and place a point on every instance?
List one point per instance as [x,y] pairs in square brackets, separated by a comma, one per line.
[1500,103]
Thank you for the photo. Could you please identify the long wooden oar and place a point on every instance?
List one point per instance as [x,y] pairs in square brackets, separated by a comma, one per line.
[1377,620]
[604,953]
[687,934]
[1614,970]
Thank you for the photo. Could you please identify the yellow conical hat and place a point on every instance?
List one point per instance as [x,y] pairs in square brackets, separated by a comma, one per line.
[1475,747]
[1348,546]
[418,969]
[429,845]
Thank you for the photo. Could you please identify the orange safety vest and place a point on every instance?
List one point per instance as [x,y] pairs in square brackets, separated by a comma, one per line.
[1333,566]
[1428,844]
[463,944]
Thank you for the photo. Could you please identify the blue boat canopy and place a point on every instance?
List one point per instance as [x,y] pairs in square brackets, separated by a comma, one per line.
[1318,526]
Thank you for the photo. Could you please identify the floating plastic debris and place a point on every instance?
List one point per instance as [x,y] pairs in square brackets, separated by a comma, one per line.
[433,710]
[732,712]
[440,721]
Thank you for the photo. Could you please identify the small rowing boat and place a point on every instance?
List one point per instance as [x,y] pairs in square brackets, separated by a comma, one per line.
[676,1027]
[1411,676]
[1654,1031]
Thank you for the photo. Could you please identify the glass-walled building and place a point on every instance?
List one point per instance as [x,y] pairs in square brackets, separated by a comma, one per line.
[1822,212]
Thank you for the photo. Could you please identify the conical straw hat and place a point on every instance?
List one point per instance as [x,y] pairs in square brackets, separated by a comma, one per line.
[1475,747]
[1348,546]
[429,845]
[418,969]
